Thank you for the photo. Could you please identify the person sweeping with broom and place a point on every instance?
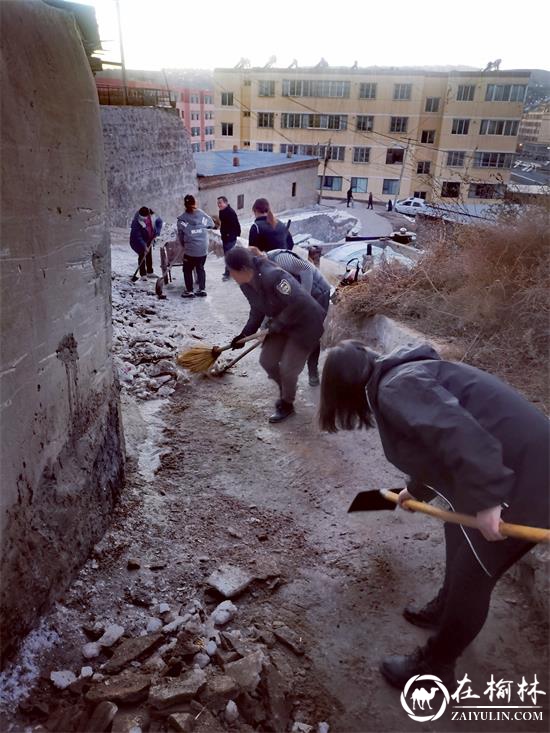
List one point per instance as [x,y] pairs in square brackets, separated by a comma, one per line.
[295,327]
[462,434]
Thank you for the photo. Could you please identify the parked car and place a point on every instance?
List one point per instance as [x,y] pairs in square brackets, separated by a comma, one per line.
[410,206]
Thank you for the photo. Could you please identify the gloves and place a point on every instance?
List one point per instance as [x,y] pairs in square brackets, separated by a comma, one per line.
[234,344]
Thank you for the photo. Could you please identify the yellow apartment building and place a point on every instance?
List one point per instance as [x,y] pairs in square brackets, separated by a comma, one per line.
[534,132]
[442,136]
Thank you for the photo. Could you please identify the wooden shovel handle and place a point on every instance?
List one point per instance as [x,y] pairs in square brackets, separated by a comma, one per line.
[234,361]
[258,335]
[519,531]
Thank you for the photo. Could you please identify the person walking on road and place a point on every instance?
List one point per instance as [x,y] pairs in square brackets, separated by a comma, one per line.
[369,202]
[295,326]
[311,279]
[146,225]
[267,232]
[230,228]
[193,236]
[467,437]
[349,196]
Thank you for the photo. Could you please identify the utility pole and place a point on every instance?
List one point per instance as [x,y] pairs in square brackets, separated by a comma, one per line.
[402,170]
[122,64]
[327,158]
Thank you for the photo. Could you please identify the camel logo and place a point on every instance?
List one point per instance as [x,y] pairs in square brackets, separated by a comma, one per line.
[422,697]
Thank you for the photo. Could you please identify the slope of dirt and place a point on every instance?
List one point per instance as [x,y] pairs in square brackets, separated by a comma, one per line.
[211,482]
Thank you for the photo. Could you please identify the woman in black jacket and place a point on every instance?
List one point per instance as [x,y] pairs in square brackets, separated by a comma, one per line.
[464,435]
[267,232]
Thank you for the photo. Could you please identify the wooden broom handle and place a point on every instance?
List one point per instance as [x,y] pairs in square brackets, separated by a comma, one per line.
[519,531]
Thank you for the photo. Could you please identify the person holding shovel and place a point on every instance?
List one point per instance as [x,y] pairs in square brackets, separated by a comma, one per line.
[146,225]
[461,434]
[295,326]
[192,228]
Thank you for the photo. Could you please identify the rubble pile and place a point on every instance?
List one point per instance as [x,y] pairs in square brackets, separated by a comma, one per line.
[189,669]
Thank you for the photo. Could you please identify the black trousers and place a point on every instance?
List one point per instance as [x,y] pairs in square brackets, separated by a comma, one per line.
[226,247]
[190,264]
[313,359]
[467,590]
[146,263]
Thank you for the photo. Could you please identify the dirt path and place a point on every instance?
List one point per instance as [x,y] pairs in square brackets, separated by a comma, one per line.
[216,483]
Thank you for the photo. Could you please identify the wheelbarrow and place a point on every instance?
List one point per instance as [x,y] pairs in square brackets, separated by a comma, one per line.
[171,255]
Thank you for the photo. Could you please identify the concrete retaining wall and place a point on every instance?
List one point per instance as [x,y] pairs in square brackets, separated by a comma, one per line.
[148,162]
[61,440]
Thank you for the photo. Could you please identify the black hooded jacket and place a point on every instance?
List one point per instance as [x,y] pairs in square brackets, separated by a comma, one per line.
[265,237]
[464,433]
[275,293]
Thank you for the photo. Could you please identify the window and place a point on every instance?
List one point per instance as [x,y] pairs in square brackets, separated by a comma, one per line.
[196,147]
[246,144]
[365,123]
[315,121]
[486,190]
[315,88]
[194,99]
[499,127]
[208,115]
[505,92]
[427,136]
[264,147]
[195,131]
[359,185]
[398,124]
[266,88]
[465,93]
[361,155]
[284,148]
[247,83]
[432,104]
[246,114]
[390,186]
[332,183]
[493,160]
[227,129]
[293,189]
[209,145]
[423,166]
[402,91]
[182,115]
[266,119]
[420,194]
[208,99]
[394,155]
[195,116]
[450,189]
[460,127]
[336,152]
[240,199]
[291,120]
[227,99]
[367,90]
[455,158]
[208,130]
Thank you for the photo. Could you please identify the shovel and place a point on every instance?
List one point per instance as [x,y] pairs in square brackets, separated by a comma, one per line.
[373,501]
[134,277]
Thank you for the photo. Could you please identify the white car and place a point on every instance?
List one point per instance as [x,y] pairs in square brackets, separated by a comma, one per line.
[410,206]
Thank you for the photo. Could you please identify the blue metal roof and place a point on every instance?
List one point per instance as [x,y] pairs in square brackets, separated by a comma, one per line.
[220,162]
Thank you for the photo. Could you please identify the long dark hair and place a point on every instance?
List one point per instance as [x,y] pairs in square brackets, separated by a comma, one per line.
[262,207]
[344,403]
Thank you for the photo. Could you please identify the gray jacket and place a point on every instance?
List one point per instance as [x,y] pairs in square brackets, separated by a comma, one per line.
[466,434]
[193,234]
[307,274]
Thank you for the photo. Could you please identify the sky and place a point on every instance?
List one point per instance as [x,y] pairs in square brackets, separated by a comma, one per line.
[191,34]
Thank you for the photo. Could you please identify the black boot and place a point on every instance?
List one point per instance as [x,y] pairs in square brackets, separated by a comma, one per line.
[282,411]
[313,378]
[399,669]
[429,616]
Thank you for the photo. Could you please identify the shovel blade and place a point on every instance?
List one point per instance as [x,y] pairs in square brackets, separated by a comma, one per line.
[372,501]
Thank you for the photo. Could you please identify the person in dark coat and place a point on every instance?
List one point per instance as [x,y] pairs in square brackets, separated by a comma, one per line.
[146,225]
[461,434]
[230,228]
[295,327]
[267,232]
[349,196]
[390,205]
[369,202]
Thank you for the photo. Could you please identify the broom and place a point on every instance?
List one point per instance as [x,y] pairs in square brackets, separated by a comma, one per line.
[200,358]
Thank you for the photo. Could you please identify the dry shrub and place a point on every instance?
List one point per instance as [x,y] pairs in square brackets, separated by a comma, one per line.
[483,284]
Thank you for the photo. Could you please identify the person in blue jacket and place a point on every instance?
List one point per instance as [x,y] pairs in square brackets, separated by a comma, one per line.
[467,437]
[146,225]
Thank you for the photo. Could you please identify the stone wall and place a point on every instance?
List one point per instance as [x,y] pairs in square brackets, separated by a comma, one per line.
[148,162]
[61,440]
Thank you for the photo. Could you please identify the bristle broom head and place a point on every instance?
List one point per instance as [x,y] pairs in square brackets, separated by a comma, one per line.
[198,358]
